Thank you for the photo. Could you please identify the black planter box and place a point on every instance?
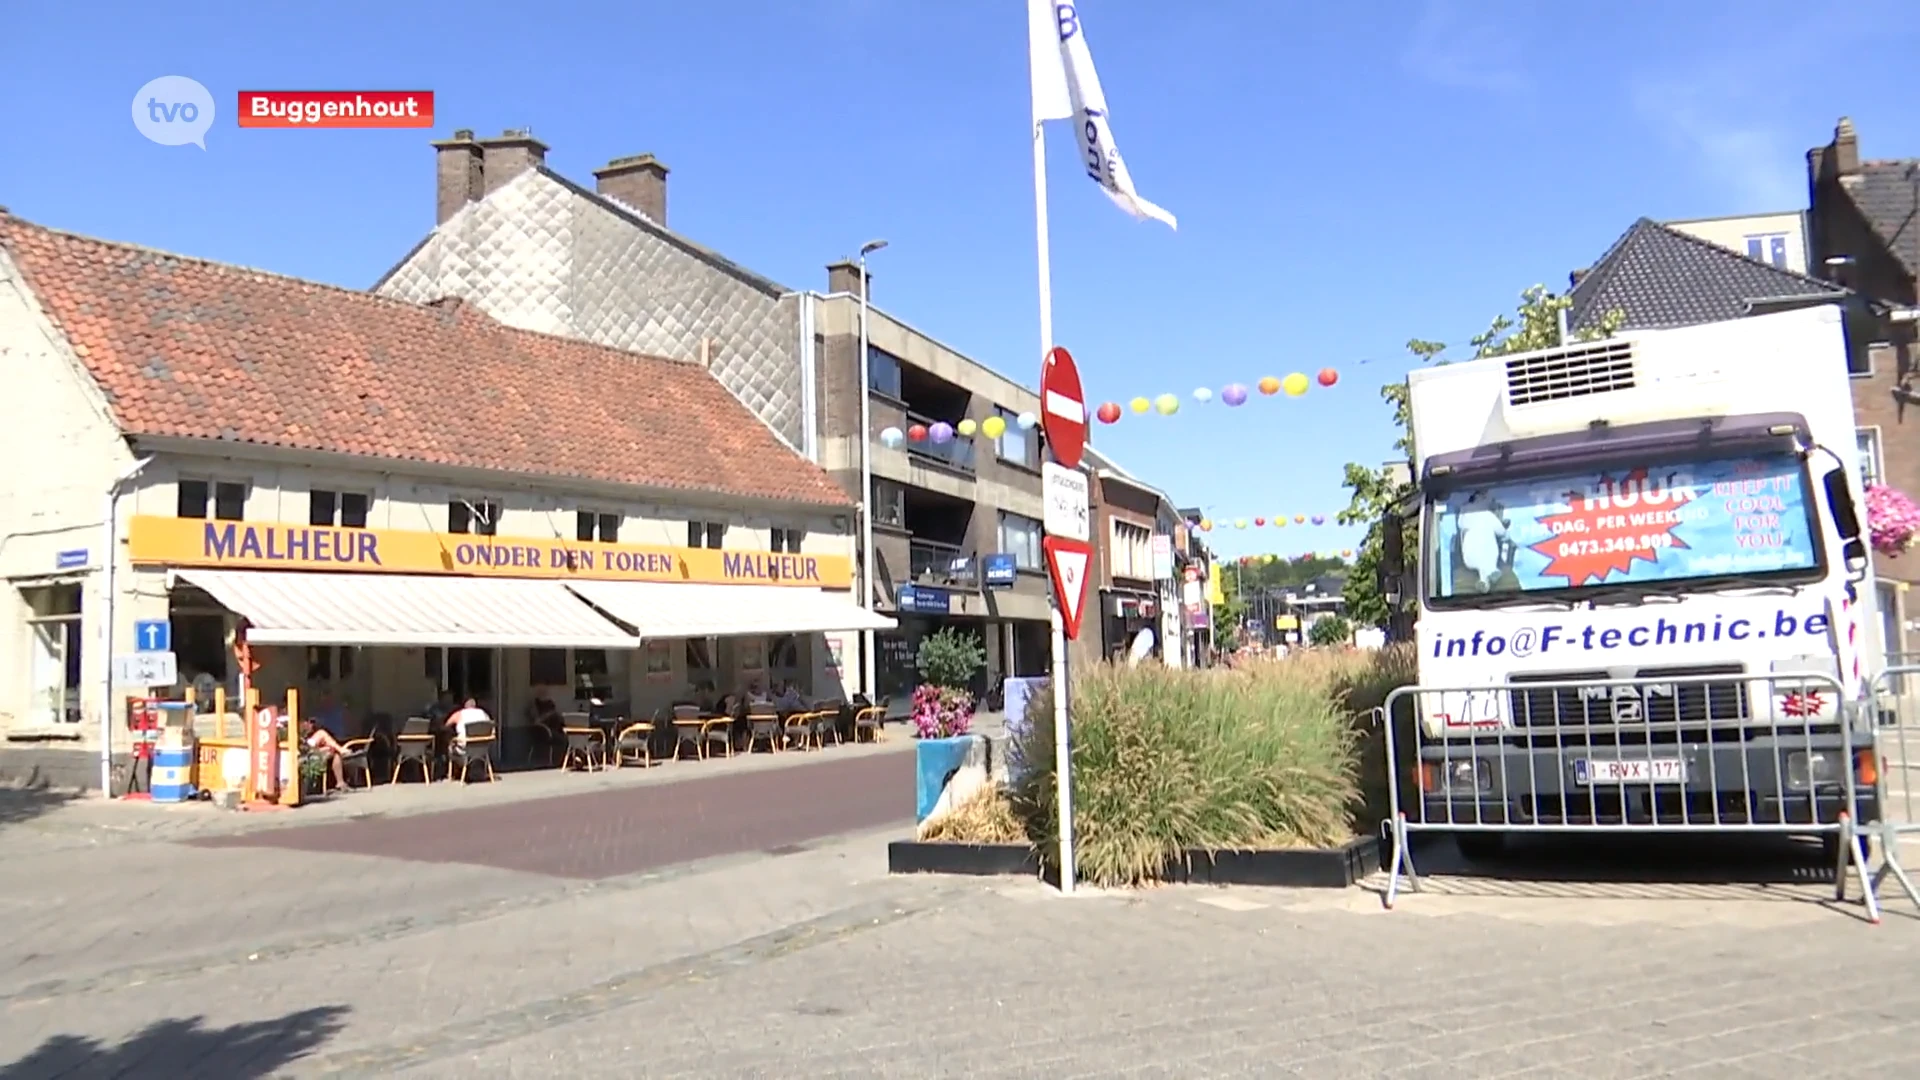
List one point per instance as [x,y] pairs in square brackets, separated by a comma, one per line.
[1318,868]
[1311,868]
[941,857]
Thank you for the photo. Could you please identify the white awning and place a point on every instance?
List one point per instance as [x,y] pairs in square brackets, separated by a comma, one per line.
[688,610]
[303,608]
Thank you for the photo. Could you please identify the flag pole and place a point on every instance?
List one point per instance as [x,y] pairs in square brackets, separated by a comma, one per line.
[1062,747]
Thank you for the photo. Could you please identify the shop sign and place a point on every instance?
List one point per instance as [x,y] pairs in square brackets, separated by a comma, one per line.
[263,754]
[920,600]
[1001,571]
[1162,557]
[190,542]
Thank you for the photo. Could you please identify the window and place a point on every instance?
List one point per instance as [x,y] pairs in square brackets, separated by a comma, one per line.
[1015,445]
[883,373]
[228,498]
[889,503]
[1132,551]
[706,534]
[1868,440]
[547,667]
[590,526]
[481,517]
[347,509]
[328,662]
[788,540]
[1020,538]
[700,664]
[1769,248]
[592,678]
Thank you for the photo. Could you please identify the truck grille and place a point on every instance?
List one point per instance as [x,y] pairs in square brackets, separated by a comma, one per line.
[1569,373]
[1645,702]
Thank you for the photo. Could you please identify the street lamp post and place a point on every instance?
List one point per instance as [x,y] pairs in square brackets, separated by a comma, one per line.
[867,658]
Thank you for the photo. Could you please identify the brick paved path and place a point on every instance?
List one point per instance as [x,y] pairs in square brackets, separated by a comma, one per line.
[345,957]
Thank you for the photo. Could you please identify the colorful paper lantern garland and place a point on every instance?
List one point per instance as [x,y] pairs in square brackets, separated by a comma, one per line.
[1278,521]
[1233,395]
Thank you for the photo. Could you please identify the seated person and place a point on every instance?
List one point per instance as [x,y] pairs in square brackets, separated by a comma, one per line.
[545,713]
[464,717]
[331,716]
[320,743]
[442,707]
[790,699]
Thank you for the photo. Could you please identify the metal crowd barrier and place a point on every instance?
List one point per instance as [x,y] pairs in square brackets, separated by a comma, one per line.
[1671,750]
[1893,708]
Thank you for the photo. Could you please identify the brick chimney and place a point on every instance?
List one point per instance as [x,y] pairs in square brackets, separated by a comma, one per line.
[509,154]
[1839,158]
[639,181]
[844,277]
[457,161]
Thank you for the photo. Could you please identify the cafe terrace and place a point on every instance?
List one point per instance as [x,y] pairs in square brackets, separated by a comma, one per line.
[385,502]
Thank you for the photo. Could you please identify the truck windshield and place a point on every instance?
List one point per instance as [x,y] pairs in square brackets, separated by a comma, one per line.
[1747,519]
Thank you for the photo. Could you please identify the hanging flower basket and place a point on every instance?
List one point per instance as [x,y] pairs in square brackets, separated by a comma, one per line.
[1893,520]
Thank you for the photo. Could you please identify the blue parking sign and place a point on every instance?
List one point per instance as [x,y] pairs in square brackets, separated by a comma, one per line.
[152,635]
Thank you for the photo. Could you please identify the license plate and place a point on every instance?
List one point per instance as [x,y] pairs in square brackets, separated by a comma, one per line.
[1631,771]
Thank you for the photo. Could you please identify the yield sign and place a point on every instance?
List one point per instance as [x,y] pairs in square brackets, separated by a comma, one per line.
[1063,408]
[1068,561]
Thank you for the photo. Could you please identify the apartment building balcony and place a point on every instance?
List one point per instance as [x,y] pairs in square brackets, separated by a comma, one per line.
[930,562]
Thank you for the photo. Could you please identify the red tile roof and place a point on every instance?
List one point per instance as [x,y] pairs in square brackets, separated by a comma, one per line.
[187,348]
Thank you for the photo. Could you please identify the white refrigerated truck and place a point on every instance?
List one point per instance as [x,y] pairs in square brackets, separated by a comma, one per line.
[1663,505]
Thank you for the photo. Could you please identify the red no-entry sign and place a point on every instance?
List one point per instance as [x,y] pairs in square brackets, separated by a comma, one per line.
[1063,407]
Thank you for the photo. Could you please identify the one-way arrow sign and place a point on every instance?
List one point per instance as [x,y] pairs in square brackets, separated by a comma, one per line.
[1068,561]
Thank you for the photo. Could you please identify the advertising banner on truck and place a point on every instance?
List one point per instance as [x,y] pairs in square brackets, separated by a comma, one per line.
[1652,522]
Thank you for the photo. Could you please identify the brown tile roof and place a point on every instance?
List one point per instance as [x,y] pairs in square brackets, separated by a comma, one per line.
[187,348]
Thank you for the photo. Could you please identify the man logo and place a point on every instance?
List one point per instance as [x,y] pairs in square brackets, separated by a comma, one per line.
[1627,704]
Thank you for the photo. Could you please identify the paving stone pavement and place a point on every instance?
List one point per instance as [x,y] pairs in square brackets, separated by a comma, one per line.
[243,962]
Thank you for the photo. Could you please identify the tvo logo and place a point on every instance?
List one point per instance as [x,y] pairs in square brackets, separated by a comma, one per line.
[174,110]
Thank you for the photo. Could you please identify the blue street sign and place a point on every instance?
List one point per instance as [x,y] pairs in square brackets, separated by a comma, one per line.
[153,635]
[920,600]
[70,560]
[1002,571]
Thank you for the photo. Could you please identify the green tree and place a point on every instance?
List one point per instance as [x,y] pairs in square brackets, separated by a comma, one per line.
[950,658]
[1330,630]
[1534,325]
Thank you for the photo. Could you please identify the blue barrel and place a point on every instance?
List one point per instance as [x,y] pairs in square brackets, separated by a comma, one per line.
[172,779]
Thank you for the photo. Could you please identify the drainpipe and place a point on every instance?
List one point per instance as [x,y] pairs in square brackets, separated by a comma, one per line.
[111,555]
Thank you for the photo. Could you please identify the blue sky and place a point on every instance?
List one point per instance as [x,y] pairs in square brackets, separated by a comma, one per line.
[1347,176]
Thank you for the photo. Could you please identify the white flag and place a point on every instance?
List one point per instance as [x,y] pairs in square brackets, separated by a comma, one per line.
[1065,86]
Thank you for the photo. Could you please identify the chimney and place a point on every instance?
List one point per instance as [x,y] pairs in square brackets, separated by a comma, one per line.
[1846,149]
[1839,158]
[639,181]
[511,153]
[457,162]
[844,277]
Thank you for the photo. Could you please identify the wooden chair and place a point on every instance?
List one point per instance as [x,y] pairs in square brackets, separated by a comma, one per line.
[634,745]
[353,758]
[414,746]
[716,729]
[477,748]
[586,746]
[764,726]
[689,729]
[869,720]
[802,726]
